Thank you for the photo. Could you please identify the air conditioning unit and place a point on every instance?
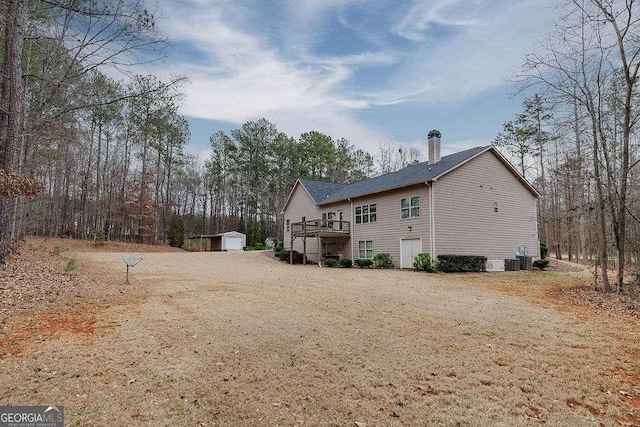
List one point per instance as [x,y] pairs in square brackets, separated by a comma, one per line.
[495,265]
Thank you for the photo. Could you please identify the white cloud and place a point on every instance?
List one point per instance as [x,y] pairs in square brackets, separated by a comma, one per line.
[425,13]
[248,80]
[489,40]
[245,74]
[312,11]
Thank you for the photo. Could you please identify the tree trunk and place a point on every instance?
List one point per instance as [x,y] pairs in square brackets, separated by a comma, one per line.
[602,223]
[10,101]
[581,196]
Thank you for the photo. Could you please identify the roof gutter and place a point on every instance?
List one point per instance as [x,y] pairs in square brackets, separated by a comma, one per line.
[432,220]
[352,228]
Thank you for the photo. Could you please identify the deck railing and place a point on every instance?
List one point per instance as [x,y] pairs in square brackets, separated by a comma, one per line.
[320,225]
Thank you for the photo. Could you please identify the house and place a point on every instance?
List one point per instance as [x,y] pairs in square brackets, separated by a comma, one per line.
[229,241]
[469,203]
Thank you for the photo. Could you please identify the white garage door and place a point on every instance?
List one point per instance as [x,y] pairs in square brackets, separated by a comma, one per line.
[233,243]
[409,248]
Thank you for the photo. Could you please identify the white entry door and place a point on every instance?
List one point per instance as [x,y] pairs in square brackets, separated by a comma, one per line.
[409,248]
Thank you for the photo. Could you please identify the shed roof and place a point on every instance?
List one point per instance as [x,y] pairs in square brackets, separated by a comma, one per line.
[208,236]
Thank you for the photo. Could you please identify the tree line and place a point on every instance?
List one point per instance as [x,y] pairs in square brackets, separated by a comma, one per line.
[252,169]
[577,138]
[89,149]
[83,154]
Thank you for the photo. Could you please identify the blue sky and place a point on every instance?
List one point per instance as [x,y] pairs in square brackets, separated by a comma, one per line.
[371,71]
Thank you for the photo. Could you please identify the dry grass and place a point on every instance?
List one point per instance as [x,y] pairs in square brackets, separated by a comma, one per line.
[242,339]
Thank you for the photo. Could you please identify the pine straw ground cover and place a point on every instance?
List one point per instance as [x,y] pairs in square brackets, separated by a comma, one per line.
[40,295]
[243,339]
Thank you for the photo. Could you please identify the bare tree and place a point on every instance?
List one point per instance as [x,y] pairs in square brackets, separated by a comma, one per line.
[391,157]
[623,22]
[591,63]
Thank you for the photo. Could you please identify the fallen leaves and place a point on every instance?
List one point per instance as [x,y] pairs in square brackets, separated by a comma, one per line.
[626,304]
[32,279]
[38,298]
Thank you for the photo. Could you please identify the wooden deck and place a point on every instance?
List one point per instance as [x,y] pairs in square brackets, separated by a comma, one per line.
[321,228]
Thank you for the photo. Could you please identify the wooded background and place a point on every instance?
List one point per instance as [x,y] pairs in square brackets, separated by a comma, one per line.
[89,149]
[576,139]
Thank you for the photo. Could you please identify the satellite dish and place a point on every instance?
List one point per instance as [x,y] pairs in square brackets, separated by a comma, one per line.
[131,261]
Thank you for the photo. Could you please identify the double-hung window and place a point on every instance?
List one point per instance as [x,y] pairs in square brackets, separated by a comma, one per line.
[365,249]
[327,219]
[366,213]
[410,207]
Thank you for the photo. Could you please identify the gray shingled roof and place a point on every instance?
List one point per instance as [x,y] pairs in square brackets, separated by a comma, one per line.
[320,190]
[326,192]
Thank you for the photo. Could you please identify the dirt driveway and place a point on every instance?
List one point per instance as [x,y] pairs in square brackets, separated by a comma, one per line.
[243,339]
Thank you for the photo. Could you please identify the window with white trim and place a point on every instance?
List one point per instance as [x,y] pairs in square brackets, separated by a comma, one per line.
[365,249]
[366,213]
[327,218]
[410,207]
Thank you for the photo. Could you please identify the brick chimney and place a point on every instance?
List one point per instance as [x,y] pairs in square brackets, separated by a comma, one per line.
[434,146]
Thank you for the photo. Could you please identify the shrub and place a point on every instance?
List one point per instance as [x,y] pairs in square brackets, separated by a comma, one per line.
[423,262]
[330,262]
[461,263]
[345,262]
[364,263]
[284,256]
[258,246]
[278,247]
[383,260]
[72,265]
[541,263]
[543,250]
[175,232]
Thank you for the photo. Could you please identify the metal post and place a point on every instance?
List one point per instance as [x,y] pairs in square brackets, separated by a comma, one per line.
[304,240]
[291,248]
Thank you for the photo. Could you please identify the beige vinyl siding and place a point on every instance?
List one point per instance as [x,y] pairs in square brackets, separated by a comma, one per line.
[343,244]
[389,227]
[301,205]
[465,221]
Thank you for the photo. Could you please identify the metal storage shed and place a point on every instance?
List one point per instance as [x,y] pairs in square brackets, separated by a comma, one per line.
[229,241]
[232,241]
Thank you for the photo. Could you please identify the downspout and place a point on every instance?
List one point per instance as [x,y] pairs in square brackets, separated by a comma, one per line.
[351,229]
[432,221]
